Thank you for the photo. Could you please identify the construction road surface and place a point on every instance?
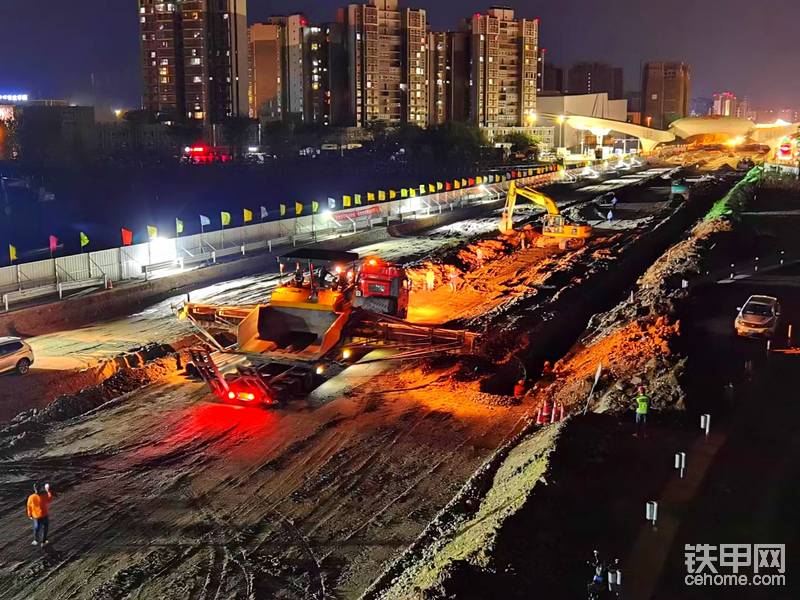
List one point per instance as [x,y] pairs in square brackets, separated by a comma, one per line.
[163,493]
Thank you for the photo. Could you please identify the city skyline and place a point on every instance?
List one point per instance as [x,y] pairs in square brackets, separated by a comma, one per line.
[107,72]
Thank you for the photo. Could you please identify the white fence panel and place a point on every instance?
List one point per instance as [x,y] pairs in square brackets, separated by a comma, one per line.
[8,277]
[190,246]
[134,259]
[215,239]
[108,263]
[74,267]
[37,273]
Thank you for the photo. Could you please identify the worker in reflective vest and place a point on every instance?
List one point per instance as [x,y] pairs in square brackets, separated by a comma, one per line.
[642,406]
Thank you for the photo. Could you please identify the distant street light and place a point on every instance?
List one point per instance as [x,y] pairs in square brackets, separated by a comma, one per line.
[118,113]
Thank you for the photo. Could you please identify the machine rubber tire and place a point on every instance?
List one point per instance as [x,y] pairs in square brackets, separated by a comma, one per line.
[23,366]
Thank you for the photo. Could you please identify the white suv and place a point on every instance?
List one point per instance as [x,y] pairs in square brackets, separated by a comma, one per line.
[758,317]
[15,355]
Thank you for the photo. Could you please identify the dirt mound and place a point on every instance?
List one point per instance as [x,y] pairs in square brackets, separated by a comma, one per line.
[123,381]
[639,353]
[25,430]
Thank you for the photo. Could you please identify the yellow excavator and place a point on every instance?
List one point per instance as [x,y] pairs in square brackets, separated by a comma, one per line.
[555,225]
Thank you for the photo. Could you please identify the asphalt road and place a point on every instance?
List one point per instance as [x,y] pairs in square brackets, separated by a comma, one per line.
[747,491]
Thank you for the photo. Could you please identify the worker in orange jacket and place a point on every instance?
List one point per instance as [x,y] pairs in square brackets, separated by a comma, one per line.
[39,511]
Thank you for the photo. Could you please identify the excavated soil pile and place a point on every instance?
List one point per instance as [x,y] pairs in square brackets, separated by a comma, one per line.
[27,429]
[636,341]
[459,260]
[640,352]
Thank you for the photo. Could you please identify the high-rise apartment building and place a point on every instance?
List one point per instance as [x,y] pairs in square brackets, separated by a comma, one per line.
[266,91]
[504,54]
[594,78]
[294,30]
[387,63]
[439,72]
[194,59]
[665,93]
[744,110]
[724,104]
[448,54]
[293,66]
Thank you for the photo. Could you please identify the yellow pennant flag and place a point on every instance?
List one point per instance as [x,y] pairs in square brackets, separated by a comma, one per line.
[479,180]
[358,199]
[347,201]
[152,233]
[283,210]
[413,192]
[392,194]
[422,189]
[248,215]
[12,252]
[431,188]
[370,197]
[404,193]
[463,183]
[298,209]
[84,240]
[381,195]
[226,218]
[178,226]
[439,186]
[457,184]
[314,207]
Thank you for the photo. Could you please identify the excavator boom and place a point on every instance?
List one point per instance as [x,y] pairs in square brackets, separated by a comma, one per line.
[555,225]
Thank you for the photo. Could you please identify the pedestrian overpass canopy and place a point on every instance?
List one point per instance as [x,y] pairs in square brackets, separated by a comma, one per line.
[733,128]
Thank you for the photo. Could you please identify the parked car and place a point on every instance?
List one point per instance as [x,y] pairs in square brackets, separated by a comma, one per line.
[15,355]
[758,317]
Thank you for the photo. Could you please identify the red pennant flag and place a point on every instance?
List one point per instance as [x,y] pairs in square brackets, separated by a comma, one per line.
[448,186]
[472,181]
[513,174]
[127,237]
[53,243]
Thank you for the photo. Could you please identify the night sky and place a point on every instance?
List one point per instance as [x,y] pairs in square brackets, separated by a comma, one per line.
[87,50]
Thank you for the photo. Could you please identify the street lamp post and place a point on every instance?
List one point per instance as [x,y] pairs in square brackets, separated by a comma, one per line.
[561,120]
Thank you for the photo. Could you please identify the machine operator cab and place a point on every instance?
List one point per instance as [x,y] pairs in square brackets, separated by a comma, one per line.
[334,278]
[382,287]
[312,272]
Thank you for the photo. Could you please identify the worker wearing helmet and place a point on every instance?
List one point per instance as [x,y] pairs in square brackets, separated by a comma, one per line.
[642,406]
[519,389]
